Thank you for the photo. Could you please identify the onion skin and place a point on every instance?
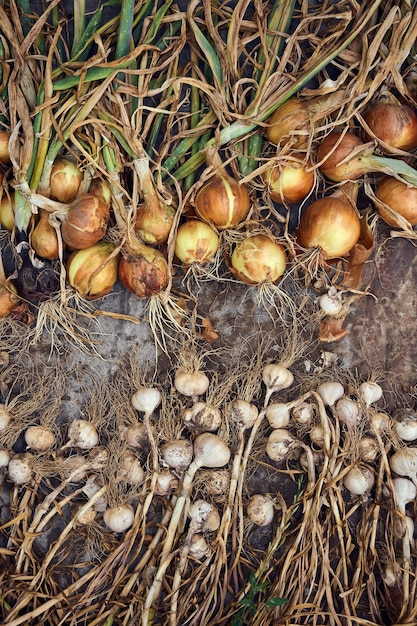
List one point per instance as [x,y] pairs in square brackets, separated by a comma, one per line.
[352,169]
[258,259]
[290,182]
[400,197]
[196,242]
[82,264]
[292,115]
[393,123]
[44,239]
[143,270]
[222,202]
[85,223]
[65,181]
[4,147]
[331,224]
[7,210]
[154,221]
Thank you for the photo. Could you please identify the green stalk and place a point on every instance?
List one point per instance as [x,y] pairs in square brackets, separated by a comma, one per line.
[124,34]
[79,23]
[238,129]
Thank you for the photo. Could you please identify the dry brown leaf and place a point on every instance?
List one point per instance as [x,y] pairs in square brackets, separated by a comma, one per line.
[331,329]
[209,333]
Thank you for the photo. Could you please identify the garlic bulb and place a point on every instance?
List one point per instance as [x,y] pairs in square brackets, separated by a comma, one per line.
[4,458]
[204,516]
[260,510]
[135,436]
[330,392]
[4,417]
[130,469]
[278,414]
[82,434]
[217,482]
[177,454]
[243,413]
[199,548]
[359,480]
[19,469]
[316,436]
[405,424]
[146,399]
[39,438]
[192,384]
[119,518]
[280,442]
[276,377]
[348,411]
[303,413]
[368,449]
[331,302]
[166,482]
[370,392]
[202,417]
[404,463]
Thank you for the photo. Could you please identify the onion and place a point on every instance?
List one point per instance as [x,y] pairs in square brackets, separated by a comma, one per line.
[91,271]
[192,384]
[400,197]
[119,518]
[330,224]
[154,217]
[359,480]
[39,438]
[279,444]
[66,178]
[290,181]
[4,147]
[7,209]
[404,463]
[392,122]
[178,454]
[260,510]
[101,189]
[330,392]
[222,201]
[196,242]
[9,300]
[342,159]
[44,239]
[20,470]
[82,434]
[258,259]
[143,270]
[369,392]
[202,417]
[405,423]
[85,223]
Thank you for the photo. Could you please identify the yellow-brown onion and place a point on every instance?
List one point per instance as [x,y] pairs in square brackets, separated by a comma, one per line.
[86,222]
[196,242]
[7,210]
[143,270]
[258,259]
[4,147]
[66,178]
[222,201]
[101,189]
[154,220]
[330,224]
[84,273]
[392,122]
[400,197]
[291,181]
[337,146]
[9,299]
[44,239]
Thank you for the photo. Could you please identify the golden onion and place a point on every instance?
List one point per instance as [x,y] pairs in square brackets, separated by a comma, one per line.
[44,239]
[392,122]
[86,222]
[291,181]
[90,272]
[196,242]
[66,178]
[258,259]
[400,197]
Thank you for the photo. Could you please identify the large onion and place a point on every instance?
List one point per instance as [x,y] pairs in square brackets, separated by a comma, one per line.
[400,197]
[66,178]
[196,242]
[290,181]
[143,270]
[330,224]
[91,272]
[86,222]
[392,122]
[258,259]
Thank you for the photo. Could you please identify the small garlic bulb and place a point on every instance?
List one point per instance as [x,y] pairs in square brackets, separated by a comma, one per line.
[202,417]
[119,518]
[369,392]
[217,482]
[368,449]
[303,414]
[199,548]
[278,414]
[82,434]
[39,438]
[276,377]
[316,436]
[4,458]
[405,423]
[260,510]
[19,469]
[280,442]
[243,413]
[191,384]
[330,392]
[146,399]
[359,480]
[4,417]
[166,482]
[177,454]
[348,411]
[331,302]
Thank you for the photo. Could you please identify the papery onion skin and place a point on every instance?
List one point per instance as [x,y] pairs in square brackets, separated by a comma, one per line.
[353,168]
[196,242]
[223,202]
[291,181]
[154,221]
[393,123]
[400,197]
[258,259]
[291,115]
[144,273]
[331,224]
[85,223]
[66,178]
[82,264]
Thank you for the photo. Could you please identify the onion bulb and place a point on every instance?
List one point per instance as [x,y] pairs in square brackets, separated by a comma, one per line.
[154,217]
[7,208]
[66,178]
[9,300]
[400,197]
[405,423]
[44,239]
[101,189]
[330,224]
[39,438]
[291,181]
[393,122]
[119,518]
[258,259]
[91,271]
[196,242]
[4,147]
[143,270]
[85,223]
[260,510]
[342,159]
[359,480]
[222,201]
